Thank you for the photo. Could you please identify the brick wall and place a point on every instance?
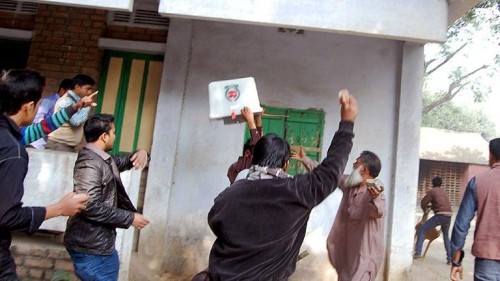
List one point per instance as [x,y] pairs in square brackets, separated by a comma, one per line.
[65,43]
[65,40]
[136,33]
[36,262]
[450,172]
[17,21]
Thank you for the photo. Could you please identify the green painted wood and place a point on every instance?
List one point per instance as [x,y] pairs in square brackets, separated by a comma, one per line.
[298,127]
[141,104]
[122,90]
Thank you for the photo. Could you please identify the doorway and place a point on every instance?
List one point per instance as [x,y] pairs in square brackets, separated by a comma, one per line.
[129,88]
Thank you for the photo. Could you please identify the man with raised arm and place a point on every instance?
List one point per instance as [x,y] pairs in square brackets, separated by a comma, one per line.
[244,162]
[260,222]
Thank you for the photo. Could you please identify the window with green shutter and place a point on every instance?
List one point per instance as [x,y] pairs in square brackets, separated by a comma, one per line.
[299,128]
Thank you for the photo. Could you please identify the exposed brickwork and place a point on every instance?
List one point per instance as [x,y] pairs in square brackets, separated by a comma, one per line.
[65,42]
[136,33]
[37,263]
[17,21]
[451,174]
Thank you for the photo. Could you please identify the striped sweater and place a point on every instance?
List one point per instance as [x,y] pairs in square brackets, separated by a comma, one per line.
[41,129]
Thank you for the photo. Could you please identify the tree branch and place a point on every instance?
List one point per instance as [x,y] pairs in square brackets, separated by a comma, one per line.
[448,58]
[472,73]
[453,90]
[427,63]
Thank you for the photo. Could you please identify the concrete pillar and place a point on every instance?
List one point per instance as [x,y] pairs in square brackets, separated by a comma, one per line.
[165,144]
[401,222]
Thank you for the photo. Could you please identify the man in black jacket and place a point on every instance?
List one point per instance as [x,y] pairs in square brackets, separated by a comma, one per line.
[90,236]
[20,92]
[260,222]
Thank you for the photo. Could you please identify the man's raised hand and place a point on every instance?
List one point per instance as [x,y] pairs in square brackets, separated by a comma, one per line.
[349,109]
[247,114]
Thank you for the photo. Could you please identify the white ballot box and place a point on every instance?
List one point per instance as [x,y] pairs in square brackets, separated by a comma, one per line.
[228,97]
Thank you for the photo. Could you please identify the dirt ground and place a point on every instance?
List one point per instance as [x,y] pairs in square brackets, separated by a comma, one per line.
[431,268]
[434,268]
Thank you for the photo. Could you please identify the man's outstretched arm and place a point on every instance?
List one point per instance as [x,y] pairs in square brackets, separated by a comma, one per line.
[47,125]
[323,180]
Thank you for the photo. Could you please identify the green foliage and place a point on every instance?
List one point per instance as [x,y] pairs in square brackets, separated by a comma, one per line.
[465,76]
[486,11]
[458,118]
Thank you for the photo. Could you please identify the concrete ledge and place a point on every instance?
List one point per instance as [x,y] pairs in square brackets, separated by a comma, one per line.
[418,21]
[121,5]
[16,34]
[132,46]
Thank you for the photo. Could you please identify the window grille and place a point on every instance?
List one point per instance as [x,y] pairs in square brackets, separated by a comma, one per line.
[139,18]
[19,7]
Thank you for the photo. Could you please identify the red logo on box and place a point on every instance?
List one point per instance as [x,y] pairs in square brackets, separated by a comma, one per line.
[232,92]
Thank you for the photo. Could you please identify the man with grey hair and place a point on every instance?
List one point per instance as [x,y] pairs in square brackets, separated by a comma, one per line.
[356,241]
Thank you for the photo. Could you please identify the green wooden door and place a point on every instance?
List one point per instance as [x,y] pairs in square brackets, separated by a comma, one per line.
[129,88]
[299,128]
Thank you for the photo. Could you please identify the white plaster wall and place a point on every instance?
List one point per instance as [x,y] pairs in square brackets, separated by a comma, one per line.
[189,163]
[423,20]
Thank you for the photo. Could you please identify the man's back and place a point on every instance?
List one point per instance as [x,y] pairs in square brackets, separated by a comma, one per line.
[487,232]
[439,200]
[46,107]
[260,224]
[263,225]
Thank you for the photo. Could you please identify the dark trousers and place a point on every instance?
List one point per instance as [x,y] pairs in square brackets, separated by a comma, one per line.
[444,222]
[7,266]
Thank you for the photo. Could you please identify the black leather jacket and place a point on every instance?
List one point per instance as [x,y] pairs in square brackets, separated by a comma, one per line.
[93,230]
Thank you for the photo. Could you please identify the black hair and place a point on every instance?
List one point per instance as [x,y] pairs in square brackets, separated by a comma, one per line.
[82,79]
[495,148]
[271,151]
[97,125]
[67,84]
[19,86]
[371,162]
[247,146]
[437,181]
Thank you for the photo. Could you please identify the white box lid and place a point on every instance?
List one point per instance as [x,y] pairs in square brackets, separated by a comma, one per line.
[228,97]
